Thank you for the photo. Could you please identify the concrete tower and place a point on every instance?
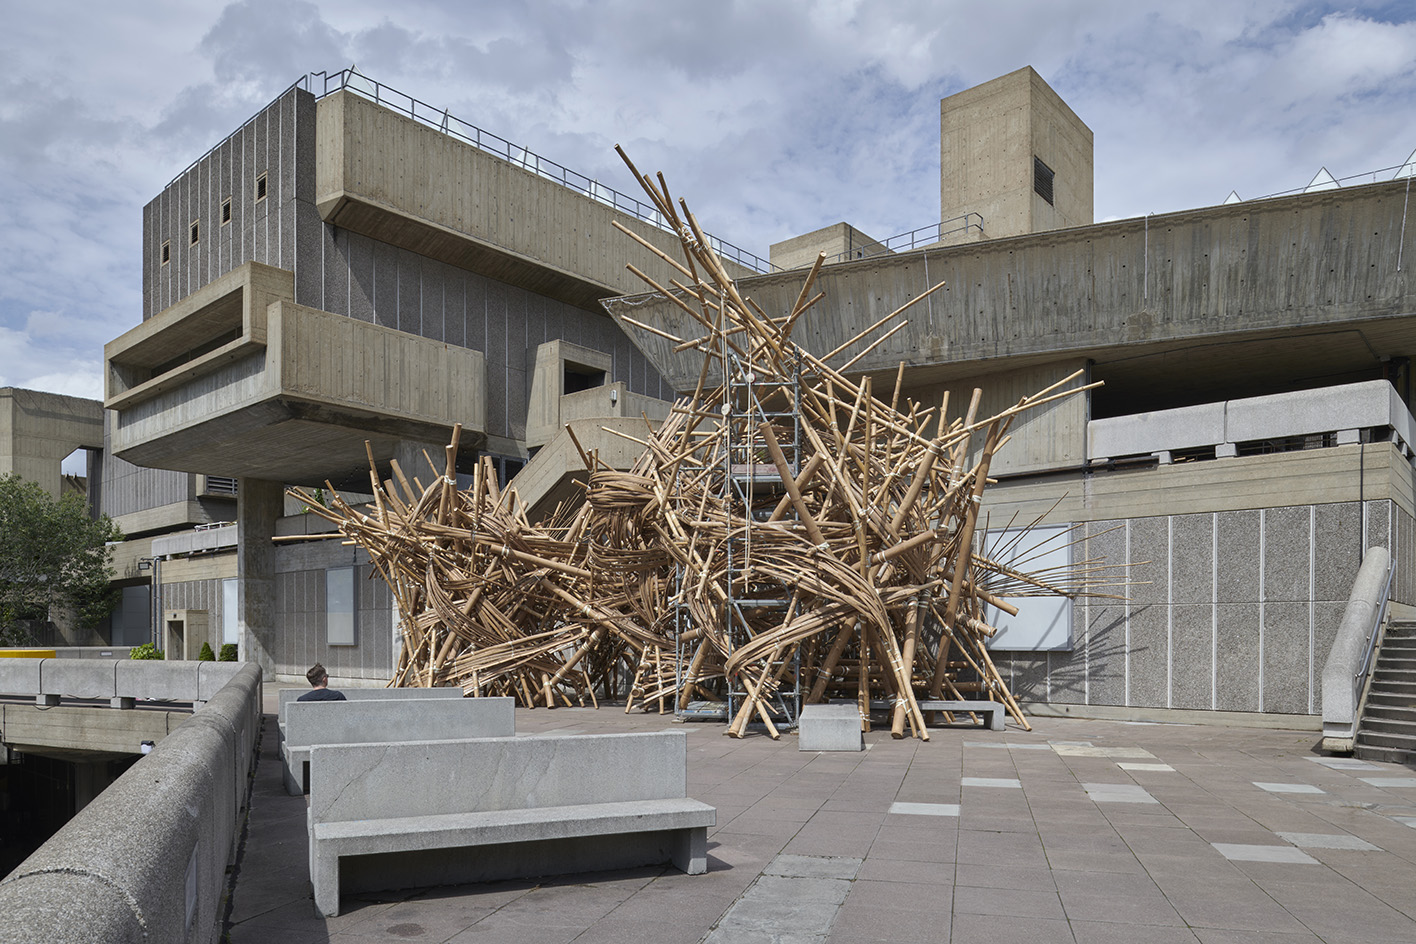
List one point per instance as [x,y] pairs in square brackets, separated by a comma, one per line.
[1012,151]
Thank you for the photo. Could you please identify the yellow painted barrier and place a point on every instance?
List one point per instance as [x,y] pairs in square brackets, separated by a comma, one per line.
[27,654]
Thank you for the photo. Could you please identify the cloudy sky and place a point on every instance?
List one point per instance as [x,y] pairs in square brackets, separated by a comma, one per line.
[771,118]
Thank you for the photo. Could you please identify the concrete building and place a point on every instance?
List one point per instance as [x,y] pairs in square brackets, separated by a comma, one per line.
[353,266]
[1253,437]
[349,275]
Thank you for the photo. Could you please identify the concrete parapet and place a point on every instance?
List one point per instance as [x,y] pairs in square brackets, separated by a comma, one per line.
[212,677]
[146,860]
[1343,410]
[829,728]
[19,676]
[142,678]
[1342,685]
[1164,430]
[76,678]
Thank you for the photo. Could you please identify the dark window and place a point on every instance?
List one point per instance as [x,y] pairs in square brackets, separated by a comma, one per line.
[166,252]
[260,188]
[225,211]
[1042,180]
[578,378]
[196,231]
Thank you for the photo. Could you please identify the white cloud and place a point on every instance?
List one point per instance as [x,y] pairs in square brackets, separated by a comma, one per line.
[771,118]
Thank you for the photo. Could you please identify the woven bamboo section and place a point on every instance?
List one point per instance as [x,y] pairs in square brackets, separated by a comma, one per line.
[786,536]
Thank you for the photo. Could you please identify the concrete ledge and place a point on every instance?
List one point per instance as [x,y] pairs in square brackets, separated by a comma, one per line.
[1237,719]
[829,728]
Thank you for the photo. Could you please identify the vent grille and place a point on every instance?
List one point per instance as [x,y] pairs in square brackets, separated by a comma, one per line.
[260,188]
[1042,180]
[225,211]
[166,251]
[221,485]
[196,231]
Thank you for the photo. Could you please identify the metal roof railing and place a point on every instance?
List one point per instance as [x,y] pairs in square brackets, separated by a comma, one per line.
[914,239]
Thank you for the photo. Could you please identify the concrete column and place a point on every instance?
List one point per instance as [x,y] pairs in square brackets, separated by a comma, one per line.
[258,506]
[409,454]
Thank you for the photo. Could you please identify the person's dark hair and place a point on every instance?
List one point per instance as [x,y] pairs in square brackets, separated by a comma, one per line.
[317,674]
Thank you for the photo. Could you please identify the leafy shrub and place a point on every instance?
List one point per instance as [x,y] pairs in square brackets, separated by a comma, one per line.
[206,655]
[228,653]
[146,651]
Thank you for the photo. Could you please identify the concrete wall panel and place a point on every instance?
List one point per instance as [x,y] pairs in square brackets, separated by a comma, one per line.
[1286,657]
[1148,668]
[1192,638]
[1237,642]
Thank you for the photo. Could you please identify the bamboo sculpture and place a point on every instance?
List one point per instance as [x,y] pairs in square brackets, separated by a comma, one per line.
[785,537]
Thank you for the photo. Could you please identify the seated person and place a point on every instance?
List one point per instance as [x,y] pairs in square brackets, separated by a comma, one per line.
[319,678]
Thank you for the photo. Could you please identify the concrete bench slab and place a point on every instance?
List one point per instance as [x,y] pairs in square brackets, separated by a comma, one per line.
[829,728]
[311,723]
[994,713]
[291,695]
[529,806]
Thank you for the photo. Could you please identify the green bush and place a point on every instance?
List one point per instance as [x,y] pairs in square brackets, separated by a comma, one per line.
[206,655]
[146,651]
[228,653]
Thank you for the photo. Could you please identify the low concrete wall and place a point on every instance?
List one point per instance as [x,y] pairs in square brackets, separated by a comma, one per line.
[115,678]
[146,860]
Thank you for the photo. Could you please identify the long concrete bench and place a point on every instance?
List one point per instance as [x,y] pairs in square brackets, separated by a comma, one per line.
[310,723]
[289,696]
[448,812]
[994,713]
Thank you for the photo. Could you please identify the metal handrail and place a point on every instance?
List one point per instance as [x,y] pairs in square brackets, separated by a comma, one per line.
[1365,177]
[321,84]
[914,239]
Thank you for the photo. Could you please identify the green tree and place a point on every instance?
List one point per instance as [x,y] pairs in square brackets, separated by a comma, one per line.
[52,554]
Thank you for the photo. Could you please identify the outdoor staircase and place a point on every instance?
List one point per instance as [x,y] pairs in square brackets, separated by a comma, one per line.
[1387,729]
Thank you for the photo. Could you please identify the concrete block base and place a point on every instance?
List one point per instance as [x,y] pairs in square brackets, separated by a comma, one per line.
[829,728]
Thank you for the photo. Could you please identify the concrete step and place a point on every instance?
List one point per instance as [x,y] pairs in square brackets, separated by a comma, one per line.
[1399,699]
[1391,712]
[1383,753]
[1389,726]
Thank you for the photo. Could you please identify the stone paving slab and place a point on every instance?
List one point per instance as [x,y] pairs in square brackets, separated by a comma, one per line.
[1080,831]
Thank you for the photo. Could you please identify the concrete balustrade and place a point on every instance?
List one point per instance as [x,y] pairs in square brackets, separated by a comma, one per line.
[1343,410]
[146,860]
[121,681]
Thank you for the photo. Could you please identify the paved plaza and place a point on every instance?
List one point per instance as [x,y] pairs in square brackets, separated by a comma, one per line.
[1091,832]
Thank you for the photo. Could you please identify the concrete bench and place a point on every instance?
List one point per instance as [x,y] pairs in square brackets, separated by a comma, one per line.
[994,713]
[829,728]
[310,723]
[449,812]
[290,695]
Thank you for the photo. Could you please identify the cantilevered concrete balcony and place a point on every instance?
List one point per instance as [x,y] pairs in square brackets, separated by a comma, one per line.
[238,377]
[387,176]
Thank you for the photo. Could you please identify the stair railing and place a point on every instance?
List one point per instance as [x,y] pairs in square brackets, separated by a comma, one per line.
[1350,660]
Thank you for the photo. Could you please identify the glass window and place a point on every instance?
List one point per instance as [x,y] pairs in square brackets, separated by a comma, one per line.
[339,606]
[230,614]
